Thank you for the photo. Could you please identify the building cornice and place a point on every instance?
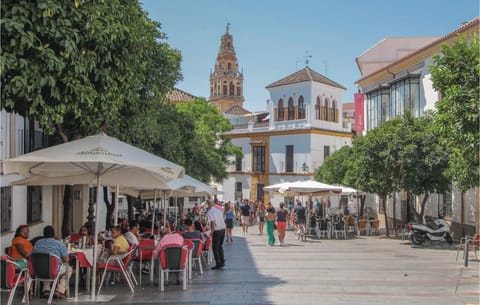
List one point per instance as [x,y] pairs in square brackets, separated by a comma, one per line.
[272,133]
[469,30]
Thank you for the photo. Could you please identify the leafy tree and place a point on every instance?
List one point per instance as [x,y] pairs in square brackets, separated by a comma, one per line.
[402,154]
[208,152]
[421,160]
[81,67]
[456,75]
[334,167]
[369,168]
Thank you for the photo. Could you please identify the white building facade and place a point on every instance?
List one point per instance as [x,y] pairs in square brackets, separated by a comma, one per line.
[303,126]
[403,82]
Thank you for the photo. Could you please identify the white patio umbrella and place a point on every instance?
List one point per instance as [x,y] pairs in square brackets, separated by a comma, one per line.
[309,186]
[275,188]
[346,190]
[98,159]
[181,187]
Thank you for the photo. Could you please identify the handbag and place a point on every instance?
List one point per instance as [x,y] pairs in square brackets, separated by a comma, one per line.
[274,226]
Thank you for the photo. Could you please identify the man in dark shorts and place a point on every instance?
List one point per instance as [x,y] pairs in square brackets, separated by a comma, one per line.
[246,215]
[300,216]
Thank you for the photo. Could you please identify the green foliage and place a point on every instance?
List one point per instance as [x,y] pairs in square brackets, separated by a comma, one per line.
[369,168]
[456,75]
[208,151]
[80,67]
[334,167]
[401,154]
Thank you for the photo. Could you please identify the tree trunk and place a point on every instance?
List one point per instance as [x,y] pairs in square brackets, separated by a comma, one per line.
[130,207]
[422,205]
[384,204]
[462,213]
[362,205]
[418,217]
[394,216]
[67,226]
[110,208]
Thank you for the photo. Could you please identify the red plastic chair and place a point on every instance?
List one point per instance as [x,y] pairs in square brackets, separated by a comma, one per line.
[144,253]
[189,244]
[207,253]
[118,263]
[197,252]
[172,258]
[45,267]
[75,237]
[11,279]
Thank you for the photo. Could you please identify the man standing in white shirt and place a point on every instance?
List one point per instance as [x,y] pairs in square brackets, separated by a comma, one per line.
[217,233]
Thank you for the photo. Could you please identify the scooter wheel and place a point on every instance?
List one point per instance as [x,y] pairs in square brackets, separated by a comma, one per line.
[416,240]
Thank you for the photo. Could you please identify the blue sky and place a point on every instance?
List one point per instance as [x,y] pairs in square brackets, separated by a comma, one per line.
[272,37]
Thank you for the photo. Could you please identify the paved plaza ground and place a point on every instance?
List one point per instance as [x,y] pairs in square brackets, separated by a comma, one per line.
[366,270]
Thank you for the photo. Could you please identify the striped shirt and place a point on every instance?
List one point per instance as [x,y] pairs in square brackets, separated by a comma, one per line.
[51,246]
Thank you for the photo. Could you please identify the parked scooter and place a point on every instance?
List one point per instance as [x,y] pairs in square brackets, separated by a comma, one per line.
[434,230]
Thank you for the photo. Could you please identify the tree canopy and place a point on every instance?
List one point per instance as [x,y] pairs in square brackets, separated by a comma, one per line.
[334,167]
[208,151]
[456,75]
[80,67]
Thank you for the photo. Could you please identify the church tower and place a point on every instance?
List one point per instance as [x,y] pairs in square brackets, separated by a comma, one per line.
[226,82]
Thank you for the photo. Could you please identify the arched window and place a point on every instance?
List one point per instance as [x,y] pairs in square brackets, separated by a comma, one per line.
[239,91]
[333,115]
[317,108]
[291,110]
[224,89]
[280,110]
[232,89]
[229,66]
[325,109]
[301,108]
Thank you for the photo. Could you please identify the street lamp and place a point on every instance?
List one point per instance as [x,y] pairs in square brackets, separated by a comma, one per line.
[305,167]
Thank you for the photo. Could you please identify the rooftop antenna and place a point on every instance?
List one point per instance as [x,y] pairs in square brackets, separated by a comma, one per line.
[296,64]
[325,64]
[306,58]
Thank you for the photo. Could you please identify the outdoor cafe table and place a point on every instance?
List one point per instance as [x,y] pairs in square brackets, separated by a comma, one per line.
[84,259]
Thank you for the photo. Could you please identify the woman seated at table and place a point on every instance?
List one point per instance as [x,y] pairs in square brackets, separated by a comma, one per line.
[87,234]
[21,247]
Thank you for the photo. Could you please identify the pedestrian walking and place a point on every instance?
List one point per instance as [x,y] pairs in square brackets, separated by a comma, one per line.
[261,217]
[246,211]
[270,216]
[217,232]
[282,218]
[229,215]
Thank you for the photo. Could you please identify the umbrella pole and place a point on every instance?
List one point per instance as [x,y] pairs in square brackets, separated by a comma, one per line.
[153,212]
[154,217]
[95,248]
[164,209]
[115,210]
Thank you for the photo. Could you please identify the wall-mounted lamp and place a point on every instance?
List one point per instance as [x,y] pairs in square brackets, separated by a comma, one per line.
[305,167]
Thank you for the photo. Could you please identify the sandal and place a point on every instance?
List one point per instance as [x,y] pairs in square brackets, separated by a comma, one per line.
[59,295]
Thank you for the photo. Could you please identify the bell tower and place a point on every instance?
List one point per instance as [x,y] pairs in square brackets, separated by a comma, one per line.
[226,82]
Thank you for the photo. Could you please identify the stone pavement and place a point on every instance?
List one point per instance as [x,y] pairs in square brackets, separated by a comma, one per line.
[362,270]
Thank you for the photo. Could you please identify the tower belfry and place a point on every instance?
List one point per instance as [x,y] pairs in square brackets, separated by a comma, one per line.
[226,81]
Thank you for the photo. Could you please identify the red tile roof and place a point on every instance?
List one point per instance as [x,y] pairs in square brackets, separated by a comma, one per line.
[237,110]
[306,74]
[177,96]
